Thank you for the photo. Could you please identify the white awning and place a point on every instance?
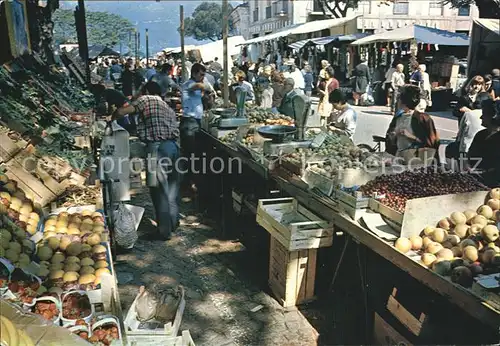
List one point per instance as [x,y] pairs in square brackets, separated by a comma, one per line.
[320,25]
[213,50]
[401,34]
[490,24]
[274,35]
[305,28]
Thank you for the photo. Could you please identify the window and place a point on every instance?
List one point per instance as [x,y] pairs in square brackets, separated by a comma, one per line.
[284,6]
[268,12]
[317,6]
[276,11]
[256,14]
[400,7]
[464,11]
[436,8]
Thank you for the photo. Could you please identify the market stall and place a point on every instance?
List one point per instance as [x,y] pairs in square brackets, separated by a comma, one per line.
[331,48]
[437,49]
[312,210]
[276,46]
[57,221]
[484,45]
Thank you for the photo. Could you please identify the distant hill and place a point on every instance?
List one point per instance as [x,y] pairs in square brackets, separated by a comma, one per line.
[161,18]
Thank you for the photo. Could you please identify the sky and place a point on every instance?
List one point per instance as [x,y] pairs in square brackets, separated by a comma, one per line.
[160,18]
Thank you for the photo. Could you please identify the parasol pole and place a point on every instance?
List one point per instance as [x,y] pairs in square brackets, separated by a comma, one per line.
[225,29]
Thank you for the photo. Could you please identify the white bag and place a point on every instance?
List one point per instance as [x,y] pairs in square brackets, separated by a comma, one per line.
[125,233]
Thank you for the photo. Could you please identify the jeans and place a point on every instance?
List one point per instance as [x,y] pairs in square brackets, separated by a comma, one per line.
[189,127]
[165,194]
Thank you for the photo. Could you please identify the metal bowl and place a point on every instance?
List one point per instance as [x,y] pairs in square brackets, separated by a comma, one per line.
[278,133]
[224,112]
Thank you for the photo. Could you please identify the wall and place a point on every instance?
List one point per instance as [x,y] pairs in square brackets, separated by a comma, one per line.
[372,17]
[423,12]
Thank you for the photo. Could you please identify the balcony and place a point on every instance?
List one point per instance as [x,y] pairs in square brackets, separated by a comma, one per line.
[256,14]
[269,12]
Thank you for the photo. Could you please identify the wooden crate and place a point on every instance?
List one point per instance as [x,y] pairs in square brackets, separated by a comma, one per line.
[294,226]
[408,319]
[354,206]
[9,148]
[29,184]
[385,334]
[237,201]
[392,215]
[291,274]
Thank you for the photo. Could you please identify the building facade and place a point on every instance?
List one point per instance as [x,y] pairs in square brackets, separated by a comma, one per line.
[266,16]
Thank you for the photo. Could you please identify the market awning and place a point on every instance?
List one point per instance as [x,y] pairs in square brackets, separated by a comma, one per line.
[492,25]
[321,41]
[281,33]
[305,28]
[422,34]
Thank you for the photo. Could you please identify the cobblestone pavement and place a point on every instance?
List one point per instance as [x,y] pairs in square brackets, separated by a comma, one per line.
[220,290]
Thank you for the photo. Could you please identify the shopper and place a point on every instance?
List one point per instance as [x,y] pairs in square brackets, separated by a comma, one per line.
[322,75]
[158,128]
[192,104]
[343,121]
[308,80]
[467,98]
[164,80]
[128,79]
[495,83]
[388,84]
[397,82]
[470,125]
[361,80]
[331,84]
[412,129]
[294,102]
[115,71]
[278,90]
[150,72]
[216,66]
[425,89]
[242,85]
[484,153]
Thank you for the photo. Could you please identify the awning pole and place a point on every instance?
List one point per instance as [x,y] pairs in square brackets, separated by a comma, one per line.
[225,25]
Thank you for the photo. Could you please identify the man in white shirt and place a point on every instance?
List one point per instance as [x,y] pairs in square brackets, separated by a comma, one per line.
[295,74]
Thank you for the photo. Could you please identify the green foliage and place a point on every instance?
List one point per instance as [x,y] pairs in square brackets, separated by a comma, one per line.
[206,22]
[337,8]
[104,28]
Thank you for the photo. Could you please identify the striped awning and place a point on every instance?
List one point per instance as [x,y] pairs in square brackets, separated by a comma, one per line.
[320,41]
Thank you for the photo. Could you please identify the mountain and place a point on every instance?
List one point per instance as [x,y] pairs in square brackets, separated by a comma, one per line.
[160,18]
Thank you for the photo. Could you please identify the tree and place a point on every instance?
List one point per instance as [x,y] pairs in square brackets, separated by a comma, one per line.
[337,8]
[103,28]
[206,22]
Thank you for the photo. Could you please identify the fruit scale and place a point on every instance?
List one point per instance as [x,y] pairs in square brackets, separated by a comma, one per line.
[283,139]
[220,121]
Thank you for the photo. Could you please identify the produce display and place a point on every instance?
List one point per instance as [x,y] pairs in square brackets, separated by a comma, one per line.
[424,182]
[105,334]
[229,137]
[75,196]
[25,288]
[46,308]
[462,245]
[76,306]
[11,335]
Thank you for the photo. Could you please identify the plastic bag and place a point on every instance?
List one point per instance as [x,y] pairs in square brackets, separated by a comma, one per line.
[158,302]
[125,232]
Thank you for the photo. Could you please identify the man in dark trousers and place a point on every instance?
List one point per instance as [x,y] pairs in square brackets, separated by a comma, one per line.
[159,129]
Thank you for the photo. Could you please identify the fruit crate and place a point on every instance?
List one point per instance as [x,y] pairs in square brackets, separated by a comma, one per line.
[353,205]
[134,329]
[389,214]
[294,226]
[9,147]
[319,181]
[292,274]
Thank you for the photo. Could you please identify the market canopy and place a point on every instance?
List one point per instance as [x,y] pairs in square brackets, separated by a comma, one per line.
[422,34]
[213,50]
[492,25]
[305,28]
[100,50]
[321,41]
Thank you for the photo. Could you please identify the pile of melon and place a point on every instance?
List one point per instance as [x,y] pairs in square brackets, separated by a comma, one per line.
[15,245]
[463,245]
[17,206]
